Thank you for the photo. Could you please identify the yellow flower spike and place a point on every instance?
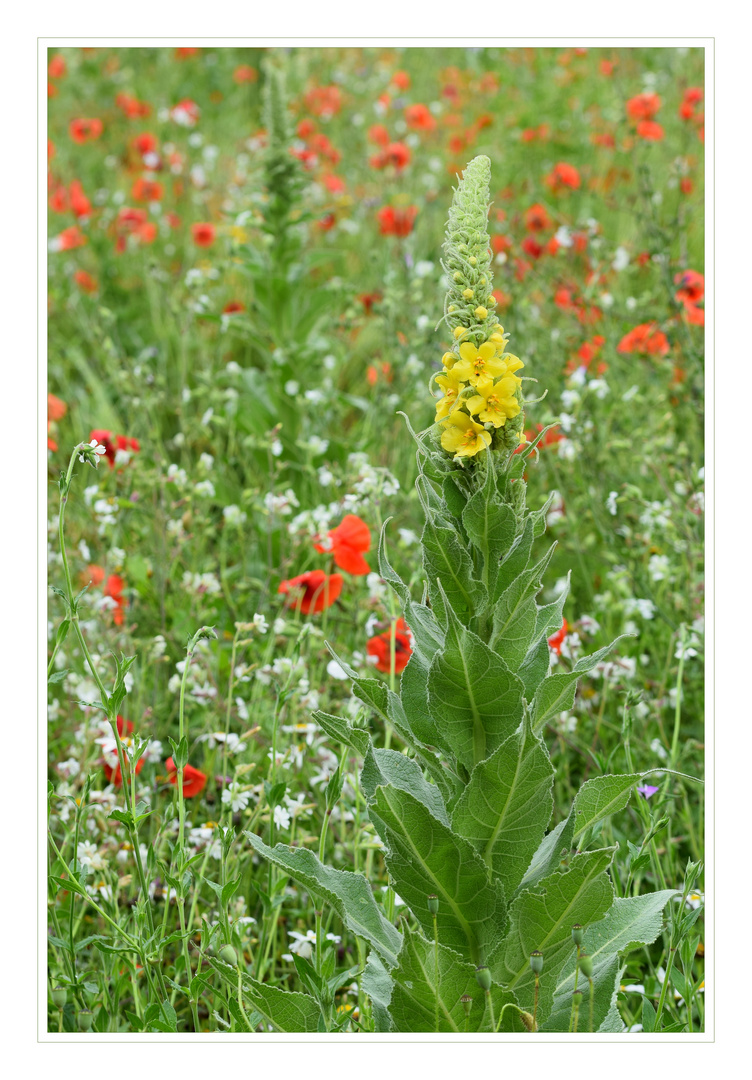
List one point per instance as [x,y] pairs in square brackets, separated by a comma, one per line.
[495,403]
[481,312]
[468,294]
[475,362]
[451,387]
[463,437]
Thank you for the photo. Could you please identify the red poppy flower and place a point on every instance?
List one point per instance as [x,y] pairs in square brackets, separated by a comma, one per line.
[644,340]
[145,143]
[420,118]
[57,67]
[347,543]
[650,130]
[244,74]
[369,299]
[532,248]
[113,588]
[324,100]
[204,234]
[79,204]
[131,106]
[85,281]
[380,646]
[397,220]
[563,177]
[312,592]
[378,134]
[56,410]
[692,286]
[233,308]
[333,183]
[536,218]
[194,781]
[144,190]
[83,130]
[643,106]
[68,239]
[185,113]
[401,80]
[557,640]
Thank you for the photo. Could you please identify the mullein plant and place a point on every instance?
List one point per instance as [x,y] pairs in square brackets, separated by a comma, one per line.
[513,927]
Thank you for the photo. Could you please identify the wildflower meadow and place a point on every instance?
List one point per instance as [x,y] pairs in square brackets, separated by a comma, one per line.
[375,534]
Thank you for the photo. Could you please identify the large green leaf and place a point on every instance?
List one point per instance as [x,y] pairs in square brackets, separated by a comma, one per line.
[553,849]
[542,919]
[446,559]
[348,893]
[286,1010]
[474,700]
[424,858]
[506,806]
[382,767]
[517,597]
[600,797]
[556,693]
[377,984]
[419,986]
[491,526]
[631,922]
[534,668]
[342,731]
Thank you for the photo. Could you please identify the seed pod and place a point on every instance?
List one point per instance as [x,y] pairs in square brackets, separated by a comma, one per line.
[577,932]
[536,962]
[433,904]
[586,965]
[483,975]
[228,954]
[85,1019]
[59,996]
[467,1003]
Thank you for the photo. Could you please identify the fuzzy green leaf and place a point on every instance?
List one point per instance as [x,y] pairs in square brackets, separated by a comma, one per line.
[416,987]
[446,558]
[506,806]
[553,849]
[378,984]
[424,857]
[556,693]
[382,767]
[348,893]
[475,702]
[342,731]
[631,922]
[600,797]
[286,1010]
[542,919]
[491,526]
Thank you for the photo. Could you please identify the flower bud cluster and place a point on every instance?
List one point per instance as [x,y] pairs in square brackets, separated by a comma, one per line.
[481,403]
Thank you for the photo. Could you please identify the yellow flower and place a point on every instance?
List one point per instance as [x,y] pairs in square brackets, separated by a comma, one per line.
[463,437]
[495,403]
[476,362]
[451,385]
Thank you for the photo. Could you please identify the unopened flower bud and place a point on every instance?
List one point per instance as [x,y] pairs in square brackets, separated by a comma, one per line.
[586,965]
[59,996]
[433,904]
[483,976]
[85,1019]
[536,962]
[577,933]
[481,312]
[228,954]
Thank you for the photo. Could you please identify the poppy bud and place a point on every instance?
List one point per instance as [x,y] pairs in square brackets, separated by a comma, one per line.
[467,1003]
[586,965]
[536,962]
[85,1019]
[433,904]
[59,996]
[483,976]
[577,933]
[228,954]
